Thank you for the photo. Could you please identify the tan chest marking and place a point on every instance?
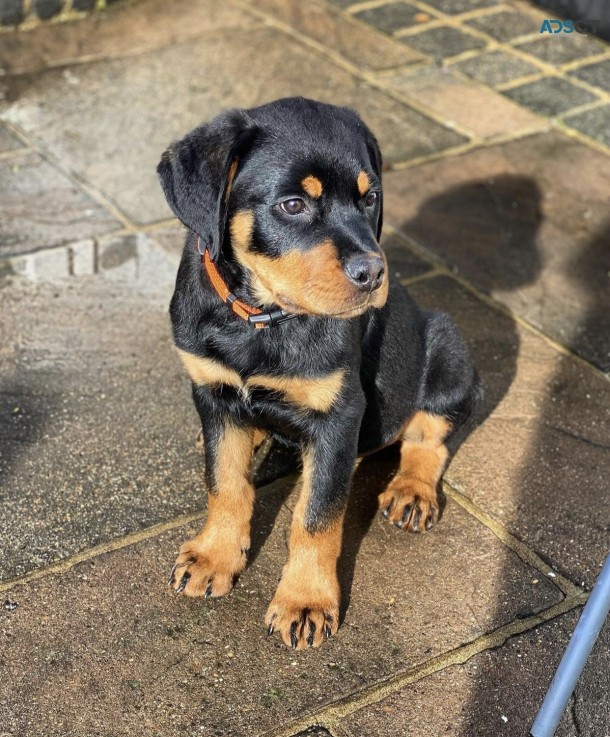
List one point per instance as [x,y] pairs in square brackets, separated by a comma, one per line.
[318,394]
[310,393]
[208,371]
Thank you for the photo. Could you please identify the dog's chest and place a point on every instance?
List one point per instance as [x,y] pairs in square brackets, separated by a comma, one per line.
[318,393]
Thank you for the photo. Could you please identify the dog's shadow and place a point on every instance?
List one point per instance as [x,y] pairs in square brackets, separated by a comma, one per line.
[370,479]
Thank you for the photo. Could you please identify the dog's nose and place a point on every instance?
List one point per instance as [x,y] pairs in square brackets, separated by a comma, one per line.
[366,272]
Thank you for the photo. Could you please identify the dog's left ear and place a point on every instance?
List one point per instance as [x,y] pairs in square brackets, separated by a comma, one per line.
[375,156]
[196,174]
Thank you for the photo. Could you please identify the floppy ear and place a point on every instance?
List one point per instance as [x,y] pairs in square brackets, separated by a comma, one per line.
[196,174]
[375,156]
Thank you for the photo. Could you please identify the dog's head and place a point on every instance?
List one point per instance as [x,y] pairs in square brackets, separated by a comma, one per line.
[292,192]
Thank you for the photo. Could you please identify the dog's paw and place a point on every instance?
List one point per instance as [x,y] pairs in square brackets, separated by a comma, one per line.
[302,625]
[207,569]
[410,504]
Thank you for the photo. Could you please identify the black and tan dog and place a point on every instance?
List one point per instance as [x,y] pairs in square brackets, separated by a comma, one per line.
[287,322]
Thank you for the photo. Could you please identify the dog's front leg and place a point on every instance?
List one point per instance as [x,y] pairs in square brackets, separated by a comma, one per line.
[305,608]
[208,564]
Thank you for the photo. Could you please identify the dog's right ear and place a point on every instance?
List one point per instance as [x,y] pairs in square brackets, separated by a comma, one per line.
[196,174]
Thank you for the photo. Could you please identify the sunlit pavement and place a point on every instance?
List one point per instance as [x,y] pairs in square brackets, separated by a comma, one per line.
[497,153]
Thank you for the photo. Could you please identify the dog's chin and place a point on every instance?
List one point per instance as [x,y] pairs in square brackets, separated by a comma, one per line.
[341,312]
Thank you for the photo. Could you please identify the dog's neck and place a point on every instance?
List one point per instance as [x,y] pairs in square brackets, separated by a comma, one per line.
[239,300]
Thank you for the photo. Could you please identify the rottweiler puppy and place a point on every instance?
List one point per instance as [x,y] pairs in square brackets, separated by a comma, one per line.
[289,324]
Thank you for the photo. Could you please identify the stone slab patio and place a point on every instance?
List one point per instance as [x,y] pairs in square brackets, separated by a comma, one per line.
[496,211]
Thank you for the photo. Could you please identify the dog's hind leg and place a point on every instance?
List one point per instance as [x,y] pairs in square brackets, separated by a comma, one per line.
[410,500]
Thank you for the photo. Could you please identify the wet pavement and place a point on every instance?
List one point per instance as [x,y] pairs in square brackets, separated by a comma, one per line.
[496,209]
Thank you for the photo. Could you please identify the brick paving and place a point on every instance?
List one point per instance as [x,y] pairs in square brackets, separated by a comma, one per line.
[498,161]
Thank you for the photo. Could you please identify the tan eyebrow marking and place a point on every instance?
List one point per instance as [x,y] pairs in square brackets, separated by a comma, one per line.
[363,182]
[313,186]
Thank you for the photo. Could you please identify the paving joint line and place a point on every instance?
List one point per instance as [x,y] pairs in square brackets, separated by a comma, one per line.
[119,232]
[16,153]
[521,549]
[65,565]
[593,143]
[471,146]
[571,66]
[335,712]
[556,74]
[127,54]
[581,109]
[76,178]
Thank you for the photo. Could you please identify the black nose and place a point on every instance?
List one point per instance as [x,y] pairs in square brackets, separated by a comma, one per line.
[366,272]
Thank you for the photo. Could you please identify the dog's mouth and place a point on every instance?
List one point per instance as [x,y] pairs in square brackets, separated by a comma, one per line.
[353,311]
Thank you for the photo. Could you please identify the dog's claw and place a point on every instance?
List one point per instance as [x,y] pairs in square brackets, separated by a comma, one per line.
[172,575]
[406,512]
[183,581]
[312,632]
[293,635]
[208,591]
[416,519]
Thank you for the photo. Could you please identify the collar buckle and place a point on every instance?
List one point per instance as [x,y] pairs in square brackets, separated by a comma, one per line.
[271,318]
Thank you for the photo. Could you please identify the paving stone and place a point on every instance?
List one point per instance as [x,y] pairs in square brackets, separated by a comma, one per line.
[505,25]
[124,29]
[46,9]
[365,47]
[497,692]
[41,207]
[538,462]
[8,142]
[562,49]
[172,665]
[442,42]
[113,137]
[390,17]
[455,7]
[11,13]
[526,221]
[479,111]
[91,378]
[495,67]
[550,96]
[593,123]
[343,3]
[597,75]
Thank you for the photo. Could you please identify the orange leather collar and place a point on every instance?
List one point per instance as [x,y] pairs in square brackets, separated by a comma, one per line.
[255,317]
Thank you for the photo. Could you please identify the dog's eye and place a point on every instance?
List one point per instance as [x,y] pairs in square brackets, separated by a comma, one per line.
[295,206]
[371,199]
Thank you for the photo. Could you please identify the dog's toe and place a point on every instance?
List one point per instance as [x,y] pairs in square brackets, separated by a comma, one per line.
[409,506]
[200,570]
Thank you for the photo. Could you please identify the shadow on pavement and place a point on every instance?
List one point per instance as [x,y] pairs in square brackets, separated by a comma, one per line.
[484,212]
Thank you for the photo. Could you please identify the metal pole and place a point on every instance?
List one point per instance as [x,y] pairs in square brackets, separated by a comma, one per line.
[575,656]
